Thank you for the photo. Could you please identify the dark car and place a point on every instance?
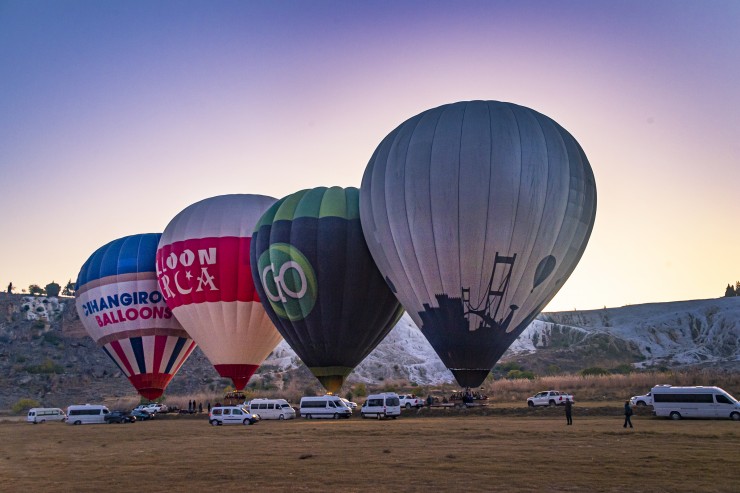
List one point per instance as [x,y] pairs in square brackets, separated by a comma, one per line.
[119,417]
[141,415]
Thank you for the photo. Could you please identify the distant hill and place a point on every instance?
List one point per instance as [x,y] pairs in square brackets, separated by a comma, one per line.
[57,363]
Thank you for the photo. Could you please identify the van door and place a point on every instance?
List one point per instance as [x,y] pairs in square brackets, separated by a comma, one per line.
[723,406]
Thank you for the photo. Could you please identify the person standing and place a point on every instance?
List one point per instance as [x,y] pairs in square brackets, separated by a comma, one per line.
[568,412]
[627,414]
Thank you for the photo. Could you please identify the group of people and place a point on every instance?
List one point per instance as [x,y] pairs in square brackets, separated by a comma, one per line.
[194,406]
[627,413]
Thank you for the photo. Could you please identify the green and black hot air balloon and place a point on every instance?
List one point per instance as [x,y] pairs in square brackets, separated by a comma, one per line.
[318,282]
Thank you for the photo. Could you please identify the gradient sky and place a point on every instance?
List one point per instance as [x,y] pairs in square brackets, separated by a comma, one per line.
[116,115]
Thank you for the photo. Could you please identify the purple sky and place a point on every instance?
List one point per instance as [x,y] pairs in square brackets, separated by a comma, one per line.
[114,116]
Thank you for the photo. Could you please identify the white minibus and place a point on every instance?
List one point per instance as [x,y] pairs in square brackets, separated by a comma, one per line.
[694,402]
[271,408]
[386,405]
[86,414]
[44,414]
[325,406]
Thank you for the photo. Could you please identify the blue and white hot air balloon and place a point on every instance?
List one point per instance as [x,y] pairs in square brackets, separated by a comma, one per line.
[120,305]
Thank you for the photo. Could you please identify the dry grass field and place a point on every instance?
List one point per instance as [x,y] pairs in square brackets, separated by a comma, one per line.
[446,452]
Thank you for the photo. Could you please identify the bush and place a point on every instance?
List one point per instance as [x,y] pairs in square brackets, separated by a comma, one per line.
[594,371]
[360,390]
[46,367]
[517,374]
[24,404]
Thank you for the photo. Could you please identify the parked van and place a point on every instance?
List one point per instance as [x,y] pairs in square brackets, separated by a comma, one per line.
[86,414]
[271,408]
[694,402]
[44,414]
[326,406]
[387,405]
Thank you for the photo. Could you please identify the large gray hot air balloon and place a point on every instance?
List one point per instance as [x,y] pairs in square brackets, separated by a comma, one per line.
[476,213]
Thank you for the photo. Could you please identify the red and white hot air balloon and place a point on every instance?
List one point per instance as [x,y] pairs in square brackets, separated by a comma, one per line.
[205,277]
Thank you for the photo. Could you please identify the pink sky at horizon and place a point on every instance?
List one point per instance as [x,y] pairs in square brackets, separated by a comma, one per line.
[115,116]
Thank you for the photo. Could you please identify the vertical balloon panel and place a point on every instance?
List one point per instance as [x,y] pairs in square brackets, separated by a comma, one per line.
[476,213]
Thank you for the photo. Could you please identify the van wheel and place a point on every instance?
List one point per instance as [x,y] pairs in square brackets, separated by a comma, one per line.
[247,422]
[552,403]
[408,406]
[640,403]
[308,416]
[530,403]
[42,421]
[336,416]
[735,416]
[282,416]
[78,422]
[675,415]
[214,422]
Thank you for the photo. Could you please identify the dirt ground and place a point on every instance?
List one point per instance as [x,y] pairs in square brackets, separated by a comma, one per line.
[423,453]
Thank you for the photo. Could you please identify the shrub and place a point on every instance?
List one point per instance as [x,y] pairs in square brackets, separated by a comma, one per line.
[24,404]
[517,374]
[47,367]
[594,371]
[360,390]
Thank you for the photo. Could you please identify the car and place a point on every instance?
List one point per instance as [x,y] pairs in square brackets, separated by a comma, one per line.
[141,415]
[410,400]
[642,400]
[550,398]
[151,408]
[119,417]
[348,403]
[231,415]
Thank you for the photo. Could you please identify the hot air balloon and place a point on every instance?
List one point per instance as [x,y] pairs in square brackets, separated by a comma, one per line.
[318,282]
[476,213]
[204,274]
[122,309]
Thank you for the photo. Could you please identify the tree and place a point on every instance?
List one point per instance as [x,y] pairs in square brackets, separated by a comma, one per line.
[69,289]
[36,290]
[730,291]
[52,289]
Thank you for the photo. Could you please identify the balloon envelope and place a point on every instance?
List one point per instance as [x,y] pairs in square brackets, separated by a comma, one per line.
[318,282]
[120,305]
[477,212]
[204,274]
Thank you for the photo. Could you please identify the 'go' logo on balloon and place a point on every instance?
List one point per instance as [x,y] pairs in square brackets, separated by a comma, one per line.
[288,280]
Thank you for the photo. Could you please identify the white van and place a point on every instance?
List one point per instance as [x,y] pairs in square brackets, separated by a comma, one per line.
[386,405]
[44,414]
[271,408]
[694,402]
[325,406]
[86,414]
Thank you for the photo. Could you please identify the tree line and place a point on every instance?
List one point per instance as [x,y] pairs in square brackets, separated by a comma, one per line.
[52,289]
[732,290]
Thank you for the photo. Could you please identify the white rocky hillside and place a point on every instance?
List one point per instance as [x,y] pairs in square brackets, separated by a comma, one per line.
[675,334]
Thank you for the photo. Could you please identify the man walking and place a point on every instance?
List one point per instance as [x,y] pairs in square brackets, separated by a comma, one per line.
[569,411]
[627,414]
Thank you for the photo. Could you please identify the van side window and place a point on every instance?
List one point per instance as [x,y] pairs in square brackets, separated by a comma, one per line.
[237,412]
[331,404]
[227,411]
[721,399]
[271,406]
